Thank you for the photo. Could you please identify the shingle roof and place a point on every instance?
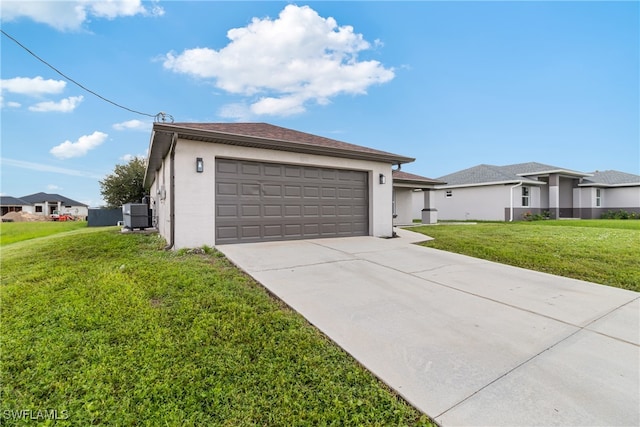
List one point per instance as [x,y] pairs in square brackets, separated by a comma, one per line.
[483,174]
[532,168]
[46,197]
[269,131]
[491,174]
[402,176]
[12,201]
[258,135]
[611,177]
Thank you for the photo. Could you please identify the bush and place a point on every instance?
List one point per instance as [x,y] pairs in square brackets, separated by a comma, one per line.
[528,216]
[620,214]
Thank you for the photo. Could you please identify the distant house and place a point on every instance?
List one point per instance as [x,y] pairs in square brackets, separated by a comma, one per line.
[507,193]
[413,198]
[45,204]
[13,204]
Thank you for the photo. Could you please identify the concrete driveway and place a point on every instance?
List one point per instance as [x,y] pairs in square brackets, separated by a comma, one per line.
[467,341]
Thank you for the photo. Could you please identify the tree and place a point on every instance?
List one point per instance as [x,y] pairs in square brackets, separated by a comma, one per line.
[124,185]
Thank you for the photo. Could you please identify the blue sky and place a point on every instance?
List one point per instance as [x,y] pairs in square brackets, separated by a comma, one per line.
[453,84]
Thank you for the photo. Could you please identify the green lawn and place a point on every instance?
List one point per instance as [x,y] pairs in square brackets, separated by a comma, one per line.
[601,251]
[107,328]
[11,232]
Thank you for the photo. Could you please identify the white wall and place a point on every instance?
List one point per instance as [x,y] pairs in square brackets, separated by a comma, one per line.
[404,206]
[620,197]
[195,192]
[480,203]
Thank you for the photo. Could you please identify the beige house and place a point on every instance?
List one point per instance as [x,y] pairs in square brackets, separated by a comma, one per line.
[220,183]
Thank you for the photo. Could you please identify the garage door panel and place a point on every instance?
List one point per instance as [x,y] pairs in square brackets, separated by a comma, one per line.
[293,191]
[227,211]
[272,211]
[272,190]
[249,211]
[227,188]
[311,192]
[293,211]
[250,169]
[250,189]
[266,201]
[312,173]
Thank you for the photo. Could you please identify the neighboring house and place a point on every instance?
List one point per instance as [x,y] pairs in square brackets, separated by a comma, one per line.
[218,183]
[507,193]
[45,204]
[413,198]
[13,204]
[609,190]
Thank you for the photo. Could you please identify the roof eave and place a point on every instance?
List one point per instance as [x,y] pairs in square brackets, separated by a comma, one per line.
[485,184]
[603,185]
[557,171]
[158,151]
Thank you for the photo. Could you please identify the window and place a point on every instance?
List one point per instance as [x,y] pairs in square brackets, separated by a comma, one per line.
[525,196]
[38,209]
[598,197]
[448,194]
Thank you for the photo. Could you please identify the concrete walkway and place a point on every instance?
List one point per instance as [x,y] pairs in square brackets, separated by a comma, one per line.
[467,341]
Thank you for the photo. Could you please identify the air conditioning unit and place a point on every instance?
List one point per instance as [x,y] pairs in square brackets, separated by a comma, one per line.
[136,215]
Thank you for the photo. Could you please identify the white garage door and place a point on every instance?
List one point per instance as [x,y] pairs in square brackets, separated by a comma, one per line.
[257,201]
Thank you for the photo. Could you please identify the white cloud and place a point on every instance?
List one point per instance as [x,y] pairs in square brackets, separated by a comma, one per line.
[133,125]
[128,157]
[289,61]
[53,187]
[47,168]
[71,15]
[65,105]
[81,147]
[35,86]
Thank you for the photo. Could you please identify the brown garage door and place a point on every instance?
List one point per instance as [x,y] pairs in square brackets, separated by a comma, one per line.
[258,201]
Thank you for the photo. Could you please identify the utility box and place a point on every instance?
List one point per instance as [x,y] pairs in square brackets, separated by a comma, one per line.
[135,215]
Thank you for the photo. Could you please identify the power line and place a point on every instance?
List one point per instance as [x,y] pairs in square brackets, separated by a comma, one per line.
[160,117]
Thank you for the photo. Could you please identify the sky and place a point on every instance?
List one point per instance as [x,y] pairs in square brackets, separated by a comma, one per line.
[451,84]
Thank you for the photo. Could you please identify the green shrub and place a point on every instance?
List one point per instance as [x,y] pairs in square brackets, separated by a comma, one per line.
[620,214]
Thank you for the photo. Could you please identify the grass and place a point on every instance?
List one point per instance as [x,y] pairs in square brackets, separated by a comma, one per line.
[106,328]
[11,232]
[600,251]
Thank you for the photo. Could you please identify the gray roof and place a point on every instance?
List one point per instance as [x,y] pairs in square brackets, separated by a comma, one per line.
[491,174]
[611,178]
[13,201]
[533,168]
[46,197]
[484,174]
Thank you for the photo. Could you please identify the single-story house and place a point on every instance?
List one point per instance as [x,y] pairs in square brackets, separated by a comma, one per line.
[13,204]
[220,183]
[413,198]
[43,204]
[508,193]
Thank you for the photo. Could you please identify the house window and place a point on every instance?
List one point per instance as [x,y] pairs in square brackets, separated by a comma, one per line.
[38,209]
[525,196]
[448,194]
[598,197]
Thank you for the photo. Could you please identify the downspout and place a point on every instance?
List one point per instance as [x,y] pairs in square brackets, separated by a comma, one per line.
[511,201]
[172,196]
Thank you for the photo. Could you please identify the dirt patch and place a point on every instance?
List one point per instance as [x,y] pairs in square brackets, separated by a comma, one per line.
[23,217]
